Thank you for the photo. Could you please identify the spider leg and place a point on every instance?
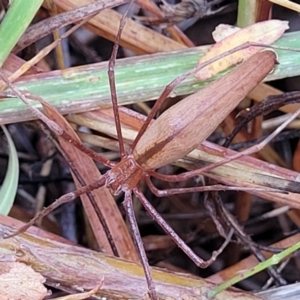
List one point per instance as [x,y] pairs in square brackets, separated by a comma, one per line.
[127,203]
[176,238]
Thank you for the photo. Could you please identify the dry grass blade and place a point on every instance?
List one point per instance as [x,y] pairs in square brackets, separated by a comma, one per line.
[103,199]
[45,27]
[119,278]
[135,36]
[167,141]
[241,171]
[174,31]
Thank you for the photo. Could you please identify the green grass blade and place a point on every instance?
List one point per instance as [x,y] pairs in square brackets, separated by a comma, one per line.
[10,184]
[15,22]
[275,259]
[246,12]
[138,79]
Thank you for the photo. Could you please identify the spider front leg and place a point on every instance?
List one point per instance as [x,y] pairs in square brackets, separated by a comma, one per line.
[63,199]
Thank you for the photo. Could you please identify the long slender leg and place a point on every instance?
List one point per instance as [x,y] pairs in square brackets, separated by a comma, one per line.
[268,105]
[24,96]
[215,187]
[63,199]
[176,238]
[248,241]
[127,203]
[112,81]
[89,194]
[251,150]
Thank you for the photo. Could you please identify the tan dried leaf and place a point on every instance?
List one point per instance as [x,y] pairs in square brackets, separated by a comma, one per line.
[265,32]
[222,31]
[20,282]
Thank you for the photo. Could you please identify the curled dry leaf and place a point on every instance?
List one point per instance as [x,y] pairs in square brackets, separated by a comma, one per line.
[222,31]
[265,32]
[19,281]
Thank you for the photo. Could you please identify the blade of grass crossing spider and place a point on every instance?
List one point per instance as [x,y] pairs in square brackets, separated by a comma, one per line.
[15,22]
[275,259]
[137,79]
[10,184]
